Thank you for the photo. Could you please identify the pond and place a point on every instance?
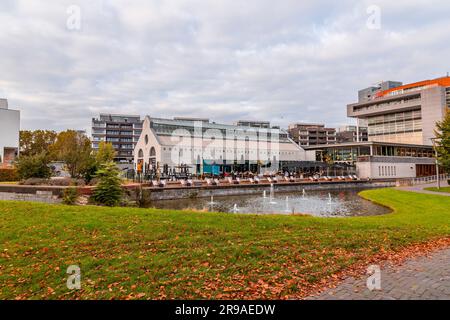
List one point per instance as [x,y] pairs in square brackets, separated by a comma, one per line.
[323,203]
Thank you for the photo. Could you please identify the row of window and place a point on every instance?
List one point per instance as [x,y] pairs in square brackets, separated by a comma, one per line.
[387,104]
[387,171]
[398,116]
[396,127]
[231,151]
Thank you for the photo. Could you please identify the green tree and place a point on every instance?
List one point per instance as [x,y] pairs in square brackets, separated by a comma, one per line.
[36,142]
[443,142]
[109,190]
[34,166]
[74,149]
[105,153]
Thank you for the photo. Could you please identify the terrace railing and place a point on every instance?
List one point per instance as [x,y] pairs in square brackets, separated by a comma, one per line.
[422,180]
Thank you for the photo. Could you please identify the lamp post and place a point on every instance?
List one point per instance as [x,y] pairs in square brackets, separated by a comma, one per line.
[437,163]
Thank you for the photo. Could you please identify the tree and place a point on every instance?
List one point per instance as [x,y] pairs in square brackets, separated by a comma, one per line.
[74,149]
[34,166]
[36,142]
[108,191]
[105,153]
[443,142]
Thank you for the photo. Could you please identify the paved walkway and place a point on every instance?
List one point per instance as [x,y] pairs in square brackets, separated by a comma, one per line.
[420,188]
[422,278]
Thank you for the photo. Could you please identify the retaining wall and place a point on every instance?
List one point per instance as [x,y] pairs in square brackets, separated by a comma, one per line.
[198,192]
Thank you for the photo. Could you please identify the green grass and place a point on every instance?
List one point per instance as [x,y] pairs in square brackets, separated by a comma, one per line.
[442,189]
[149,253]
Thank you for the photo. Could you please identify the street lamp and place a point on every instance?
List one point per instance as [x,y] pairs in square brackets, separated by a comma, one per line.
[437,163]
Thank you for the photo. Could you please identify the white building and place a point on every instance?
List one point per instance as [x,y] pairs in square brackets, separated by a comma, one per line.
[9,134]
[208,147]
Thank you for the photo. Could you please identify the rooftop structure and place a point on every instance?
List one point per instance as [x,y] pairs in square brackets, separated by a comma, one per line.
[254,124]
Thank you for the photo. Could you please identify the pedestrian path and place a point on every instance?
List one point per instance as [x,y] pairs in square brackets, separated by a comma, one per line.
[422,278]
[420,188]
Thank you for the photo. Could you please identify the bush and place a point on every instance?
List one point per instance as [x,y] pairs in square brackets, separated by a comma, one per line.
[35,182]
[35,166]
[109,189]
[8,175]
[70,196]
[63,182]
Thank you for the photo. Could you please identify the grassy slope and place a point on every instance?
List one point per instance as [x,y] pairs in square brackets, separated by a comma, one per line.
[125,252]
[442,189]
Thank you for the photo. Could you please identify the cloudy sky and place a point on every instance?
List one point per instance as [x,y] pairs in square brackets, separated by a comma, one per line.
[63,62]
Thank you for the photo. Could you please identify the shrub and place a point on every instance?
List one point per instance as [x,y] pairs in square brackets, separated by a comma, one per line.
[70,196]
[65,182]
[35,182]
[8,175]
[35,166]
[109,190]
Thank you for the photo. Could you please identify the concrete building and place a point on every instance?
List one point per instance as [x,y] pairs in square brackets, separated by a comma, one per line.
[351,134]
[123,131]
[404,114]
[203,147]
[380,160]
[311,134]
[9,134]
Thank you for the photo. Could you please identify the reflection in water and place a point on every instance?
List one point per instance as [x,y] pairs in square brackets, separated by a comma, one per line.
[333,203]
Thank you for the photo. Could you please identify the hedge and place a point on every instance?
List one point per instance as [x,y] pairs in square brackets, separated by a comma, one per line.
[8,175]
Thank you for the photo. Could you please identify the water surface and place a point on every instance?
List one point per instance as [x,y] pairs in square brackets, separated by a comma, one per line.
[323,203]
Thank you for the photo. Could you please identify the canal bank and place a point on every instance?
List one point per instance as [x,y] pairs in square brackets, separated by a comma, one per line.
[53,194]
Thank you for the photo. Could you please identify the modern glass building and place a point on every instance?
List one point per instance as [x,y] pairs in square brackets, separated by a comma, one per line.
[371,159]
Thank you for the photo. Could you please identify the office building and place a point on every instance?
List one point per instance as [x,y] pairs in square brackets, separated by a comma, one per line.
[9,134]
[351,134]
[123,131]
[404,114]
[311,134]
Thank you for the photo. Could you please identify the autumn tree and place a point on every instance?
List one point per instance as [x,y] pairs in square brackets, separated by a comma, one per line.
[74,149]
[443,142]
[105,153]
[36,142]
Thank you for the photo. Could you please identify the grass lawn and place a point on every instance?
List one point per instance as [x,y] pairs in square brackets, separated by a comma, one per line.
[154,254]
[442,189]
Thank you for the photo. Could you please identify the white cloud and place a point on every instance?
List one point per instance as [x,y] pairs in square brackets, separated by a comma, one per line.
[287,61]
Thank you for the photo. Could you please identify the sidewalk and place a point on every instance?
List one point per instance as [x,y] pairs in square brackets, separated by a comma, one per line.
[420,188]
[422,278]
